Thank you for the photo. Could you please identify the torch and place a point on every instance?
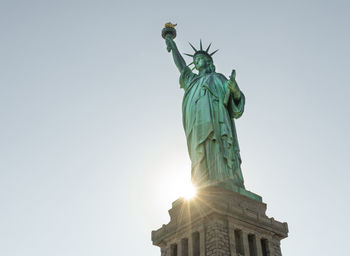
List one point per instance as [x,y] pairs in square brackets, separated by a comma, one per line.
[169,31]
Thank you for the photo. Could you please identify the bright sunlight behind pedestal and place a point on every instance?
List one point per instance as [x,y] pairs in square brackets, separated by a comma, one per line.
[175,184]
[189,191]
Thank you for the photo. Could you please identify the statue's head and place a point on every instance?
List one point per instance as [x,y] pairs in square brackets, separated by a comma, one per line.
[202,59]
[203,62]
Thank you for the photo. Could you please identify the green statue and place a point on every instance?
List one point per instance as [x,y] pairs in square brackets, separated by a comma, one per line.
[211,102]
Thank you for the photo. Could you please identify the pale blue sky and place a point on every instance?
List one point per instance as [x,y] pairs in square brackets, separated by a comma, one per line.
[91,139]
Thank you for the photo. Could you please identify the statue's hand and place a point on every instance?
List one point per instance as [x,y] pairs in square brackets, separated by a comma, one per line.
[233,75]
[233,86]
[169,43]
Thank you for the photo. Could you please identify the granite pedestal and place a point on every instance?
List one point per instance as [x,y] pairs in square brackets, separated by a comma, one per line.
[220,222]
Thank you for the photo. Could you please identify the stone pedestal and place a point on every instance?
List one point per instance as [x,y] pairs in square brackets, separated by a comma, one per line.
[220,222]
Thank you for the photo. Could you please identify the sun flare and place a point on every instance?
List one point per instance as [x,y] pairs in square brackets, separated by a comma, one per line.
[174,184]
[189,191]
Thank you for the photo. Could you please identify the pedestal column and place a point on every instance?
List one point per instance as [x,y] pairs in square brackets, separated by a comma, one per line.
[202,241]
[258,245]
[231,235]
[190,245]
[245,243]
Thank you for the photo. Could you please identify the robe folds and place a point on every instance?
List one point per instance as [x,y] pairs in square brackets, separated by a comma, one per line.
[208,121]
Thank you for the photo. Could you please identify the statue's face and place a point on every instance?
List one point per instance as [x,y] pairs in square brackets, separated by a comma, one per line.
[200,61]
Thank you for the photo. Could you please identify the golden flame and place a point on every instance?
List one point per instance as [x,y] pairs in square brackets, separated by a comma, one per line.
[170,25]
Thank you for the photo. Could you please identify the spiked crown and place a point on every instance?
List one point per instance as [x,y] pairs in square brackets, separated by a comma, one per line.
[201,51]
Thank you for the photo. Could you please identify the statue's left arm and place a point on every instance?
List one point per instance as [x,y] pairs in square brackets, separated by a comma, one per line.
[234,98]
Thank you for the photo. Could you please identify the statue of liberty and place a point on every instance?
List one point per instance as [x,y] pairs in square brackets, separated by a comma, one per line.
[210,104]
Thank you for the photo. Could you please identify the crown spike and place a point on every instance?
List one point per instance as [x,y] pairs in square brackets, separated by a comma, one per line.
[213,52]
[189,55]
[190,64]
[200,44]
[208,48]
[193,47]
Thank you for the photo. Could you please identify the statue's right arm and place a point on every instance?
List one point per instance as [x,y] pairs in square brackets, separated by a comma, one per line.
[178,59]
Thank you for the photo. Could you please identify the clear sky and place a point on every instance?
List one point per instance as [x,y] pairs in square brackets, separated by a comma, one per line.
[92,149]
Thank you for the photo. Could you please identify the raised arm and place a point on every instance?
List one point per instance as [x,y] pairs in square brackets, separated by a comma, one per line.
[171,47]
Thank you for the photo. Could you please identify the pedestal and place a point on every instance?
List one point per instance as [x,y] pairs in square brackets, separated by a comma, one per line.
[220,222]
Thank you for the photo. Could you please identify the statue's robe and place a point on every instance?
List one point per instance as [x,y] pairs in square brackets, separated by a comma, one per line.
[208,120]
